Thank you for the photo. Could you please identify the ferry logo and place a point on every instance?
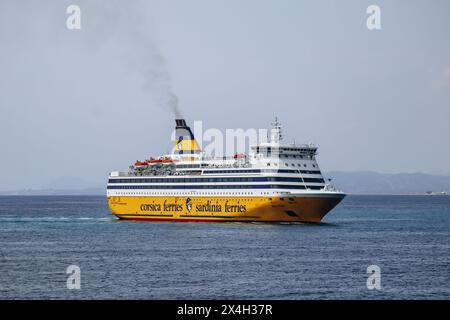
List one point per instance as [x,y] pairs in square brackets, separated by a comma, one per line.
[189,204]
[179,142]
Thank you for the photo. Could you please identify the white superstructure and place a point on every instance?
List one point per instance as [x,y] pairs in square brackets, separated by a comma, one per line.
[270,168]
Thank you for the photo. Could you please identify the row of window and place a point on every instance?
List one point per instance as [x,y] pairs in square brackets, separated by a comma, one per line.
[276,149]
[268,151]
[231,171]
[187,166]
[293,156]
[267,186]
[187,151]
[298,171]
[197,180]
[292,164]
[195,193]
[259,171]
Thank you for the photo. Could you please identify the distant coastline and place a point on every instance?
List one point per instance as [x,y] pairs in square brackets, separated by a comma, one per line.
[353,183]
[368,182]
[55,192]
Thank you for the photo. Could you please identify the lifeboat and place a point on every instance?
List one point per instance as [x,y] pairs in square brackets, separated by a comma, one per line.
[141,165]
[240,156]
[163,160]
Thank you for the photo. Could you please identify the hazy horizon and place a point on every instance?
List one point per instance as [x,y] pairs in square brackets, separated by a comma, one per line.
[82,103]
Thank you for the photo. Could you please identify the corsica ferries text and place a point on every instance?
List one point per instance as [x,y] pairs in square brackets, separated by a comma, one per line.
[201,207]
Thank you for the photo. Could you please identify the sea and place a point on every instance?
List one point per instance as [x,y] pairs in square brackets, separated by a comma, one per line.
[368,247]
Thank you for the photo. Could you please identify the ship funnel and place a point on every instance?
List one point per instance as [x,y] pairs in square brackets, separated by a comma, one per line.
[180,122]
[185,142]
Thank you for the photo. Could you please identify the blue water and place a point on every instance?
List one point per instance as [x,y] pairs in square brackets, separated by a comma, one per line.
[408,237]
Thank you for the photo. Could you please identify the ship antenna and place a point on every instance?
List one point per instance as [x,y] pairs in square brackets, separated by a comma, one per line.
[275,134]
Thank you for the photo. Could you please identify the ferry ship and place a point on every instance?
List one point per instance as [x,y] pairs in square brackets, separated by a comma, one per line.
[274,182]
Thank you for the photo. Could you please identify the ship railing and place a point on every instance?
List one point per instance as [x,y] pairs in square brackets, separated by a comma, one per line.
[231,158]
[160,173]
[332,188]
[217,166]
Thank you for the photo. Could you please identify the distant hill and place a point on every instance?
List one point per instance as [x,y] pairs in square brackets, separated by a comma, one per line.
[68,183]
[62,186]
[367,182]
[55,192]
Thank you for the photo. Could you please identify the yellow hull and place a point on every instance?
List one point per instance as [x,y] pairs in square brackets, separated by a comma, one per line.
[299,208]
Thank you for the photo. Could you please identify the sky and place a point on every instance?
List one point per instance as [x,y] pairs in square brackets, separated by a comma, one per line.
[85,102]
